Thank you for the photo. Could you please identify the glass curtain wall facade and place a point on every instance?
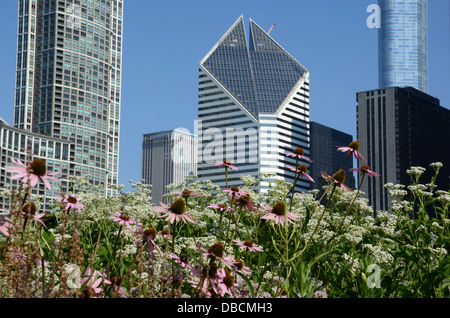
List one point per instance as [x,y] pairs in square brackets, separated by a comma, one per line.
[403,44]
[253,107]
[68,79]
[167,158]
[58,155]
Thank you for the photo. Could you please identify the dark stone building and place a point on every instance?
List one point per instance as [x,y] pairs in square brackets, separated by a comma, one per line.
[399,128]
[324,143]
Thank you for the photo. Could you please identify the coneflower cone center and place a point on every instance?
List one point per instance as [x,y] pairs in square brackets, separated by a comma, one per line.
[365,168]
[239,264]
[354,145]
[228,280]
[248,243]
[216,249]
[184,258]
[72,200]
[340,176]
[30,208]
[124,217]
[88,292]
[150,231]
[235,189]
[299,151]
[279,208]
[302,168]
[186,193]
[38,167]
[212,270]
[178,207]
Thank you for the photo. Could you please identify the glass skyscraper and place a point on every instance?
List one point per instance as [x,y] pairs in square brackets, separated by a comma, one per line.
[68,79]
[167,158]
[253,107]
[403,44]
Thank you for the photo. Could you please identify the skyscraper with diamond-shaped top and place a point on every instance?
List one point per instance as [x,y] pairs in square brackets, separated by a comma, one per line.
[253,107]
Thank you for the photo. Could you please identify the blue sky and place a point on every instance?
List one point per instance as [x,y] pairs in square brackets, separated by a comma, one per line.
[165,40]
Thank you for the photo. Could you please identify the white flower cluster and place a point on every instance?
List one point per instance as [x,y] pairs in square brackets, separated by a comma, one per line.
[380,256]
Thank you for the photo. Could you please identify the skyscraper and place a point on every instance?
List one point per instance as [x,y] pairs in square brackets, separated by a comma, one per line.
[253,107]
[58,154]
[68,79]
[403,44]
[324,143]
[168,157]
[399,128]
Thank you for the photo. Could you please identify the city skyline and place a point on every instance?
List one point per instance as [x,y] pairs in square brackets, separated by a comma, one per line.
[335,44]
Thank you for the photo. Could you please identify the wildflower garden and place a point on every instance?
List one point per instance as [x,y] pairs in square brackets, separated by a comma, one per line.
[210,242]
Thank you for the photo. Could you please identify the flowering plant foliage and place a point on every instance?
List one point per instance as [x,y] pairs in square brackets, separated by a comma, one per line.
[237,242]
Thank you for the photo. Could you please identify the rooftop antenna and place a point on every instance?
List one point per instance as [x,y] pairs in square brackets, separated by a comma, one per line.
[271,28]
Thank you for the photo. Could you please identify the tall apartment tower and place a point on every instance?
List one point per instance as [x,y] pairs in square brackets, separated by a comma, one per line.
[168,157]
[59,155]
[403,44]
[68,79]
[324,143]
[253,107]
[399,128]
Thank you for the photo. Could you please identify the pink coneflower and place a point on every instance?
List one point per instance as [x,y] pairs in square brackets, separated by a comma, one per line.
[175,212]
[298,153]
[226,282]
[238,265]
[4,227]
[149,235]
[122,218]
[183,260]
[91,283]
[72,202]
[37,170]
[244,202]
[249,245]
[165,233]
[207,285]
[216,251]
[279,214]
[115,282]
[187,193]
[338,178]
[352,148]
[226,164]
[234,191]
[220,207]
[301,170]
[366,170]
[30,210]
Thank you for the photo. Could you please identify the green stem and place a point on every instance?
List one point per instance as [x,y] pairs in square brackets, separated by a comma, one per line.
[345,216]
[264,270]
[348,156]
[220,224]
[317,226]
[115,245]
[234,232]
